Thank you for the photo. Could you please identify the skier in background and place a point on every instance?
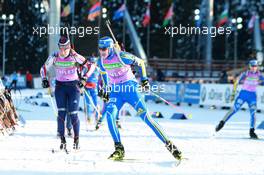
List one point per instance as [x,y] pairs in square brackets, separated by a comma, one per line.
[249,79]
[14,78]
[68,83]
[91,89]
[115,65]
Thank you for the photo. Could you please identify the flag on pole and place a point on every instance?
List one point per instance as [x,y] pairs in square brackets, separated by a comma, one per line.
[68,9]
[223,18]
[168,16]
[251,22]
[120,12]
[146,20]
[94,11]
[262,24]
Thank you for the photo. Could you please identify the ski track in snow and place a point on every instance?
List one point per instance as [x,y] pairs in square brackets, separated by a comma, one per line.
[228,152]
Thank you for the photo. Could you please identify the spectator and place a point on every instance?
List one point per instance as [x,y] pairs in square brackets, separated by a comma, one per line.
[160,75]
[224,77]
[29,80]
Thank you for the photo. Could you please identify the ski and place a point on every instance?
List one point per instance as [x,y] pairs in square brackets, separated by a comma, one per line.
[91,130]
[53,151]
[178,162]
[134,160]
[129,160]
[67,151]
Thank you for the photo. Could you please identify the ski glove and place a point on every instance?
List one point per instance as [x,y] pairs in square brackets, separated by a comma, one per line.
[82,82]
[45,83]
[232,97]
[117,47]
[104,93]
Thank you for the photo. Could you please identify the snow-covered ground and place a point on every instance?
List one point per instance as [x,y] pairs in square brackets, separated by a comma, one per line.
[28,151]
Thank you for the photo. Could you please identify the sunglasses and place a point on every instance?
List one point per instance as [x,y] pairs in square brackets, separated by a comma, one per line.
[64,47]
[103,49]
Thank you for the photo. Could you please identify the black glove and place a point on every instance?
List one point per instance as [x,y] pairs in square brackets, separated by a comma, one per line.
[45,83]
[82,82]
[145,84]
[104,93]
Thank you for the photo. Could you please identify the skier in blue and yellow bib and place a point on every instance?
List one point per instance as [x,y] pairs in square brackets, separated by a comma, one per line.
[120,87]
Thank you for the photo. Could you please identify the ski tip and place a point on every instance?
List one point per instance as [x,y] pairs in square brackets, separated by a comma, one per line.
[184,158]
[179,161]
[254,138]
[116,159]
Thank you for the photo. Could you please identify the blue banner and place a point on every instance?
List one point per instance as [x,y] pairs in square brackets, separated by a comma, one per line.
[188,93]
[168,91]
[192,93]
[164,90]
[177,93]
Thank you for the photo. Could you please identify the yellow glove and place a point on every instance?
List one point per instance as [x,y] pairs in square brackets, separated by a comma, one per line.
[117,47]
[232,96]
